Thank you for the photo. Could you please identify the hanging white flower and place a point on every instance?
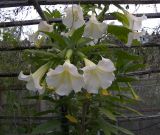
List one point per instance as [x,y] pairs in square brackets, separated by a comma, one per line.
[135,23]
[134,35]
[94,29]
[45,27]
[34,80]
[98,76]
[64,79]
[74,17]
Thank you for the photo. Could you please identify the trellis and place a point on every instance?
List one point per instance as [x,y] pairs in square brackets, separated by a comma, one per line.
[37,5]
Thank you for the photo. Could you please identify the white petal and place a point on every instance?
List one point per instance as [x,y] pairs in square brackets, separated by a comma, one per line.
[99,76]
[72,69]
[78,24]
[23,77]
[135,22]
[94,29]
[91,82]
[67,21]
[30,86]
[37,84]
[134,35]
[59,69]
[64,89]
[53,80]
[74,17]
[106,79]
[77,83]
[130,39]
[44,26]
[106,65]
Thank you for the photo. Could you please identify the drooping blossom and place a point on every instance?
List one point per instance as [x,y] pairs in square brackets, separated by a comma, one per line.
[74,17]
[134,35]
[34,80]
[45,27]
[135,23]
[98,76]
[94,29]
[65,78]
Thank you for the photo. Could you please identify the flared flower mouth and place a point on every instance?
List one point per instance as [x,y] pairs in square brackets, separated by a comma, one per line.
[34,80]
[98,76]
[94,29]
[65,78]
[135,23]
[45,27]
[74,17]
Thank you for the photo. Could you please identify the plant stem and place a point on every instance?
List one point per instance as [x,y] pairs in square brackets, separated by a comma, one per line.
[64,121]
[84,111]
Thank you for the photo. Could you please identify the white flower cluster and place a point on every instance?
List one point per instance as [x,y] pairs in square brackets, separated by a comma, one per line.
[74,19]
[94,29]
[65,78]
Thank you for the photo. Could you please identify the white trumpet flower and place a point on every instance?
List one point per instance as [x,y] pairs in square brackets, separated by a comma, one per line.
[94,29]
[98,76]
[135,23]
[74,17]
[134,35]
[45,27]
[64,79]
[34,80]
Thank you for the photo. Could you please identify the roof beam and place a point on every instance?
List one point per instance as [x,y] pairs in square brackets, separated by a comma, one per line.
[14,3]
[39,10]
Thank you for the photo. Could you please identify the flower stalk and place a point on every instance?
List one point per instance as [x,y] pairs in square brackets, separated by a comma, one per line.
[84,115]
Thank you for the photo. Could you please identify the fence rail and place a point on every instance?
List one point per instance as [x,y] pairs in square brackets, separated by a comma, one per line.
[137,73]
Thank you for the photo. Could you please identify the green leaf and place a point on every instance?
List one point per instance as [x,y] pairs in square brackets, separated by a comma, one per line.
[123,130]
[136,42]
[105,127]
[130,109]
[130,67]
[38,57]
[56,13]
[126,56]
[135,96]
[52,14]
[77,34]
[49,126]
[119,31]
[94,49]
[58,38]
[83,42]
[108,113]
[126,79]
[121,17]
